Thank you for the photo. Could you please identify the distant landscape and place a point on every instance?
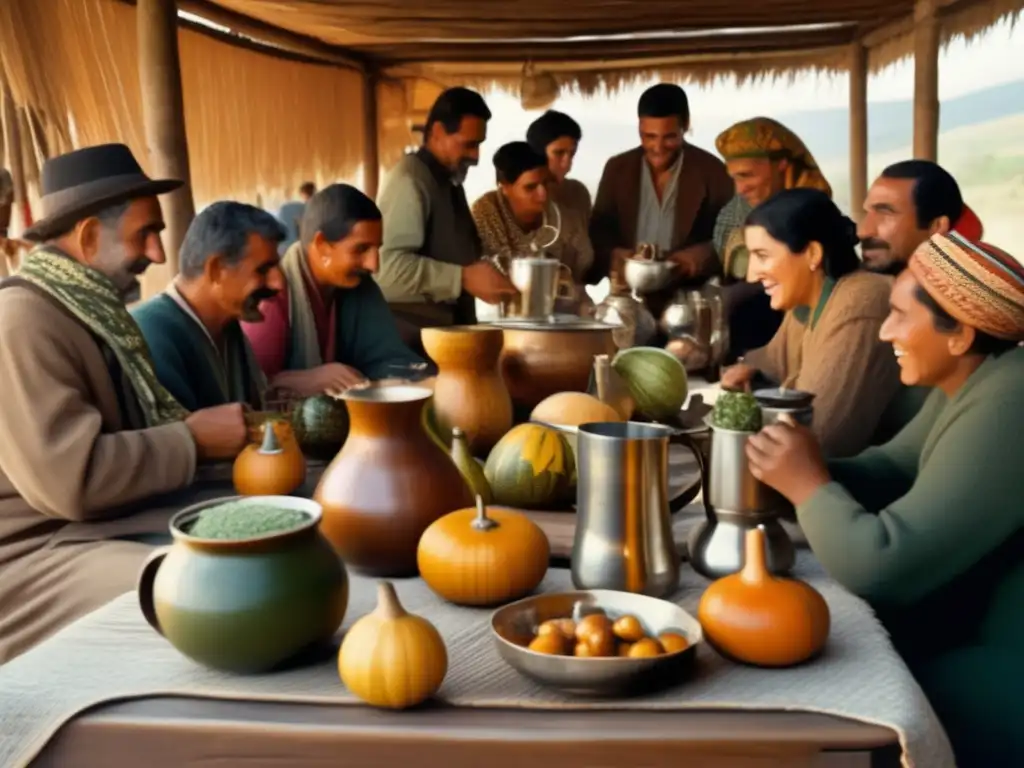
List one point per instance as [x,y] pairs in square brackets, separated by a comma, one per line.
[981,142]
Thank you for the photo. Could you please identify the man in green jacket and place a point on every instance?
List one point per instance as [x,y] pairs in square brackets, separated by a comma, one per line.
[431,270]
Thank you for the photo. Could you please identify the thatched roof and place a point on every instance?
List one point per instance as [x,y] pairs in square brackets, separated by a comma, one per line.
[595,44]
[275,91]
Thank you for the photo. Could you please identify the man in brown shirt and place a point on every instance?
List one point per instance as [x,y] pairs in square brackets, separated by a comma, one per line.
[665,192]
[87,433]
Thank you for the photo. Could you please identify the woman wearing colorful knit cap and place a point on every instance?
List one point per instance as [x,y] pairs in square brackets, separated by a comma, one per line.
[929,528]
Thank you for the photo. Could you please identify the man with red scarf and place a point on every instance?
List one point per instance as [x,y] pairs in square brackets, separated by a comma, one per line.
[911,201]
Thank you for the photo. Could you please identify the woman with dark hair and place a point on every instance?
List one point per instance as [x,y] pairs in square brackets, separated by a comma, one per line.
[557,136]
[510,218]
[929,528]
[802,251]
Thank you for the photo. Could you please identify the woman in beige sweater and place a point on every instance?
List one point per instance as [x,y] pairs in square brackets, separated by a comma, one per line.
[802,250]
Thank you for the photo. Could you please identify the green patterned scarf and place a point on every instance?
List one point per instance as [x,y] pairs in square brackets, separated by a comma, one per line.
[93,299]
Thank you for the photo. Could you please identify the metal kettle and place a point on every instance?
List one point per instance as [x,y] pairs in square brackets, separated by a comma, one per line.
[735,502]
[636,323]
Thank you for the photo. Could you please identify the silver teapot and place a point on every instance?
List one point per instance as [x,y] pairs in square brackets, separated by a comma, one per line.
[636,324]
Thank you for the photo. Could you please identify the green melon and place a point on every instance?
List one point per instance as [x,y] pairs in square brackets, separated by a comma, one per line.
[531,467]
[321,425]
[655,378]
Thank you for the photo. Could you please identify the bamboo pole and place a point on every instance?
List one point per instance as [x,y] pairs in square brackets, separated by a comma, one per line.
[163,113]
[926,81]
[858,128]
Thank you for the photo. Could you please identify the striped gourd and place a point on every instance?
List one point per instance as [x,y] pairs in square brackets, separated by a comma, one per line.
[656,380]
[531,467]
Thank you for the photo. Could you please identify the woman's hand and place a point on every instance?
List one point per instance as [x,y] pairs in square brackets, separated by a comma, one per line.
[736,376]
[787,457]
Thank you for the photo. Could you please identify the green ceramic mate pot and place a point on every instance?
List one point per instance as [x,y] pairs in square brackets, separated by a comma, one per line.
[245,605]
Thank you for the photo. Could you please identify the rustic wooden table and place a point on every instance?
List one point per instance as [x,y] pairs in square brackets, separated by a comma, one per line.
[165,732]
[171,733]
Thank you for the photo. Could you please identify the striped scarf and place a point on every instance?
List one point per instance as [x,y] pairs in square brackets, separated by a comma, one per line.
[91,298]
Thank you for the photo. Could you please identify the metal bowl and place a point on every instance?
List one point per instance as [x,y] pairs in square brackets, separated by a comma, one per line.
[514,626]
[645,276]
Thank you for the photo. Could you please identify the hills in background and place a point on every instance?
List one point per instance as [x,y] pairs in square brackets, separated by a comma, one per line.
[889,123]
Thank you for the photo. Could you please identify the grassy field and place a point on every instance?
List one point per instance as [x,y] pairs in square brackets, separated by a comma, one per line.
[988,162]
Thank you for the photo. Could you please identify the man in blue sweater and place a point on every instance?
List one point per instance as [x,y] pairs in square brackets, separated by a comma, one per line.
[229,264]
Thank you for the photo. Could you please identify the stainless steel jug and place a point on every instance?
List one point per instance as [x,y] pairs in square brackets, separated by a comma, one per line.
[540,281]
[623,535]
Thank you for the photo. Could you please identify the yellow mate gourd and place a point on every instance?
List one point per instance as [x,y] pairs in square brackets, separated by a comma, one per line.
[391,658]
[274,467]
[483,556]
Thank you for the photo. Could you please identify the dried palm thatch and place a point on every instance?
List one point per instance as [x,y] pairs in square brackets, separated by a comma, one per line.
[256,124]
[259,123]
[597,48]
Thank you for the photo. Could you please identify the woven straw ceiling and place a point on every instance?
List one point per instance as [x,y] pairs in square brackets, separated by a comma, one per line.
[476,41]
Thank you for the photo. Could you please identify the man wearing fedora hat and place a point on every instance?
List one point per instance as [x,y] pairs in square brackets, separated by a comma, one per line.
[89,433]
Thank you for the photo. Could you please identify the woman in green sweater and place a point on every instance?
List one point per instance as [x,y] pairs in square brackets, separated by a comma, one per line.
[929,528]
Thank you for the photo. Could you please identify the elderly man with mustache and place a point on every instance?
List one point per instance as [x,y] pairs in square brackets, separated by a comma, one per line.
[331,327]
[229,264]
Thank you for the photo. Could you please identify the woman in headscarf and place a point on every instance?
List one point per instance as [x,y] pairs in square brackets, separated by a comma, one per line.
[519,216]
[763,157]
[557,136]
[929,528]
[802,254]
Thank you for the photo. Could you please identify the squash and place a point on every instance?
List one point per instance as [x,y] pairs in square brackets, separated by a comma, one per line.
[469,466]
[274,468]
[320,424]
[532,467]
[483,557]
[757,618]
[655,378]
[570,409]
[390,658]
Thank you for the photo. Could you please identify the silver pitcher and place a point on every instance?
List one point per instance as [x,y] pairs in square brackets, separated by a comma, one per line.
[540,281]
[775,403]
[623,535]
[735,502]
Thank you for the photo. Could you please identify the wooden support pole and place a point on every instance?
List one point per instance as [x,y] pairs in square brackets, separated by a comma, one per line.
[926,81]
[13,218]
[858,128]
[371,147]
[163,112]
